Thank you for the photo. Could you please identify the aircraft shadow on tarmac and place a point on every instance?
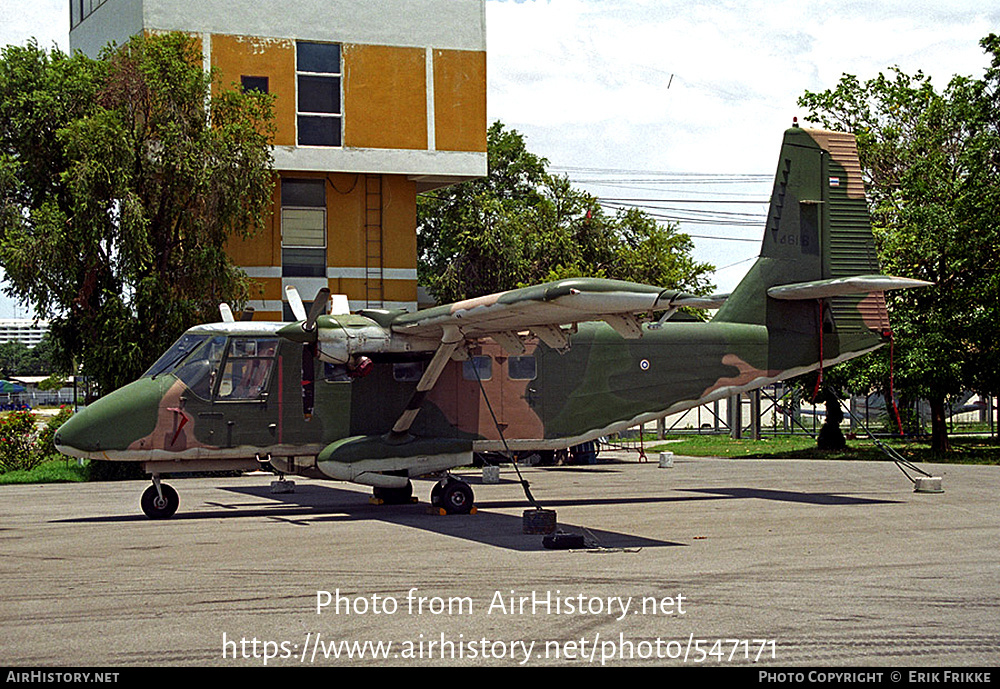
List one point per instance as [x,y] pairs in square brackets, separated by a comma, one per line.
[790,496]
[313,503]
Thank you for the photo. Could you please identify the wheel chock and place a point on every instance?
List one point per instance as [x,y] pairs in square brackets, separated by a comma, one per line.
[442,512]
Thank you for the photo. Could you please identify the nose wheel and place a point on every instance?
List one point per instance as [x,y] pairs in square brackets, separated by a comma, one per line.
[453,496]
[159,501]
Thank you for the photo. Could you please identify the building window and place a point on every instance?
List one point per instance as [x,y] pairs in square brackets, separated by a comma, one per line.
[408,372]
[303,228]
[81,9]
[249,84]
[318,74]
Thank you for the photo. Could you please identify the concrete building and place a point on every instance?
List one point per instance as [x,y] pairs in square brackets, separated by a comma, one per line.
[376,101]
[26,330]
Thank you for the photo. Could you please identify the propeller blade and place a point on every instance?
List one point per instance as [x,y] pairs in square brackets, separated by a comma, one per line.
[308,381]
[317,309]
[295,301]
[227,313]
[340,306]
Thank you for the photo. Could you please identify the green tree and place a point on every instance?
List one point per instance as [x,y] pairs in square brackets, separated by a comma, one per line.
[521,225]
[13,355]
[18,359]
[931,162]
[121,180]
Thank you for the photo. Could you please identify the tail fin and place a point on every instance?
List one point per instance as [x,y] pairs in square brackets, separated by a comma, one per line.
[817,275]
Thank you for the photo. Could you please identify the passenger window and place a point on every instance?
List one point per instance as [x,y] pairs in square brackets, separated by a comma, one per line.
[521,368]
[478,368]
[246,371]
[408,372]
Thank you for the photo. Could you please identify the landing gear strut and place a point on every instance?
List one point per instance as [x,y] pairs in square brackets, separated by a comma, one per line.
[159,501]
[453,496]
[394,496]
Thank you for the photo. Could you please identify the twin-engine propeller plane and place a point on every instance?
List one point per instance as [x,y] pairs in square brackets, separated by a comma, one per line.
[380,397]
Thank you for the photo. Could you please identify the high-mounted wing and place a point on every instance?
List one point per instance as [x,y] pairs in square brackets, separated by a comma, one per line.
[544,309]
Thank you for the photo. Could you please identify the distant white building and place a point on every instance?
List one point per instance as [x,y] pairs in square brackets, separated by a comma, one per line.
[26,330]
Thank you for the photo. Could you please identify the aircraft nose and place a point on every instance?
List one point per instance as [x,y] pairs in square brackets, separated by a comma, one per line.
[76,437]
[111,423]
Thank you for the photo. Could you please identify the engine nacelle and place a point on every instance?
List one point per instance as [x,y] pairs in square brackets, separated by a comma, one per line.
[341,338]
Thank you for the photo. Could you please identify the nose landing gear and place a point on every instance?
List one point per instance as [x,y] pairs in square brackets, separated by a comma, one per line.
[159,501]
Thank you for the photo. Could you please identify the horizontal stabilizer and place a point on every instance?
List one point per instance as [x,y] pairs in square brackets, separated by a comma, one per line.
[838,287]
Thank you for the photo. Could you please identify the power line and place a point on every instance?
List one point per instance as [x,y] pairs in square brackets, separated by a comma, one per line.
[648,200]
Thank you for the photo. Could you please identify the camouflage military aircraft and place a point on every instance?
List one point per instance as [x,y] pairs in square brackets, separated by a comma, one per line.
[379,397]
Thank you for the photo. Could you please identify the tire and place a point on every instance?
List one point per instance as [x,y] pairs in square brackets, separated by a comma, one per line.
[394,496]
[154,507]
[456,497]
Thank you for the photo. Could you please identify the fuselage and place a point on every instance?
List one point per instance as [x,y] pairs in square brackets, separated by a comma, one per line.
[233,392]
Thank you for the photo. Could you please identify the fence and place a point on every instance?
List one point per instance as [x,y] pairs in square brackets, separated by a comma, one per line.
[779,410]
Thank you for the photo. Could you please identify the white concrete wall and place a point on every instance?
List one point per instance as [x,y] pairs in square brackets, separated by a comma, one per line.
[450,24]
[115,21]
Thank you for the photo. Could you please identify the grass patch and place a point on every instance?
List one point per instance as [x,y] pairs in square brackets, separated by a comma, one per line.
[976,450]
[53,471]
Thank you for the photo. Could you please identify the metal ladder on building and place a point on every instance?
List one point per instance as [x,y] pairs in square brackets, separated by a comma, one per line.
[374,278]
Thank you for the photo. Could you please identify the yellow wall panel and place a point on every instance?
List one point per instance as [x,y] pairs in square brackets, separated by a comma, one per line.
[263,248]
[394,290]
[460,100]
[399,222]
[345,204]
[266,288]
[401,290]
[385,97]
[236,56]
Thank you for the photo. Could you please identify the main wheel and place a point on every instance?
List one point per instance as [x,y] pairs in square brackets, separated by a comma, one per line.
[156,507]
[455,497]
[394,496]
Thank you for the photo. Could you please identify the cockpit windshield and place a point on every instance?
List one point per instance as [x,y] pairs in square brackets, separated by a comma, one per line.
[177,353]
[194,359]
[197,360]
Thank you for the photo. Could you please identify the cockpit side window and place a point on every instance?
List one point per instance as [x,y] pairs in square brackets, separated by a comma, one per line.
[246,369]
[201,368]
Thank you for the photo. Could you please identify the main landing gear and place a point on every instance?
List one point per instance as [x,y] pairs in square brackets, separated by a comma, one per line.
[453,496]
[394,496]
[450,494]
[159,501]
